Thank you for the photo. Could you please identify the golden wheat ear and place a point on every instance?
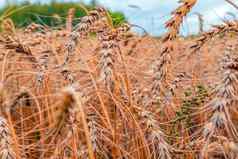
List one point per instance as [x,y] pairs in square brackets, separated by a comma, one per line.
[8,26]
[70,113]
[228,26]
[156,136]
[162,67]
[81,30]
[220,121]
[6,141]
[173,25]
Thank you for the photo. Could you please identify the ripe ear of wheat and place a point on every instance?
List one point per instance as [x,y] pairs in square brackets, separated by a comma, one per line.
[6,141]
[225,96]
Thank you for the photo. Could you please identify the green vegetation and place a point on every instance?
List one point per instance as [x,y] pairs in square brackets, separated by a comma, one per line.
[52,14]
[193,99]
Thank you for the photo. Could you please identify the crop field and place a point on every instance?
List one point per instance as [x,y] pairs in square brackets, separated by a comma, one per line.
[96,90]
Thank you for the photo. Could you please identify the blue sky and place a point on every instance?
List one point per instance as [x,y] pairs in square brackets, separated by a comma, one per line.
[152,14]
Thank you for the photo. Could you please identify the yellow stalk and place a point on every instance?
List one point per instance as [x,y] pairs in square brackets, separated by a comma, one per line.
[78,101]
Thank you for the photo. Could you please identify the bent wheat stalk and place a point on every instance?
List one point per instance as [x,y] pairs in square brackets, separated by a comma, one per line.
[229,26]
[161,65]
[173,25]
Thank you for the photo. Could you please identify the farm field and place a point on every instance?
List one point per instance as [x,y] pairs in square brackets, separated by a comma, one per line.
[96,90]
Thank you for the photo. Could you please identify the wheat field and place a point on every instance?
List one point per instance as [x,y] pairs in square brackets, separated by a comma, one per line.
[96,91]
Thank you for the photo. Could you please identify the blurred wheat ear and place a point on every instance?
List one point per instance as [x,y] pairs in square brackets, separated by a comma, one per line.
[6,141]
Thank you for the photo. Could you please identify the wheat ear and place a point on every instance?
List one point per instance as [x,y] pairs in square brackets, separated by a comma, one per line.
[161,65]
[68,117]
[156,136]
[173,25]
[6,141]
[82,29]
[231,26]
[222,102]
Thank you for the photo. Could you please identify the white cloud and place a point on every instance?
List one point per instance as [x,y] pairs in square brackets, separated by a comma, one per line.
[154,13]
[218,13]
[2,2]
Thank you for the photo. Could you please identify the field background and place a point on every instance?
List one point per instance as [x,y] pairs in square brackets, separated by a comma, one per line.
[78,83]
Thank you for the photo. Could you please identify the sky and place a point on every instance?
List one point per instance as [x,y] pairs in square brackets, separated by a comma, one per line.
[152,14]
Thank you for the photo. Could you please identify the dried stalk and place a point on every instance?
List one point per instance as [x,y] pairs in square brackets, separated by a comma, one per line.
[232,3]
[201,22]
[69,20]
[231,26]
[173,25]
[68,117]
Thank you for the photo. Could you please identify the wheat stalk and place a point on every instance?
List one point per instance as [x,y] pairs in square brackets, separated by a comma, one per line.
[232,3]
[69,115]
[107,57]
[159,147]
[69,20]
[173,25]
[225,97]
[107,73]
[6,141]
[156,136]
[159,75]
[161,65]
[201,22]
[231,26]
[82,29]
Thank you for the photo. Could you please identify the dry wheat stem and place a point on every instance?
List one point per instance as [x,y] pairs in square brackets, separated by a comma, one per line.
[229,26]
[232,3]
[201,22]
[69,20]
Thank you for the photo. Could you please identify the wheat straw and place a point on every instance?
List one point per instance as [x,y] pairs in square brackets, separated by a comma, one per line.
[69,21]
